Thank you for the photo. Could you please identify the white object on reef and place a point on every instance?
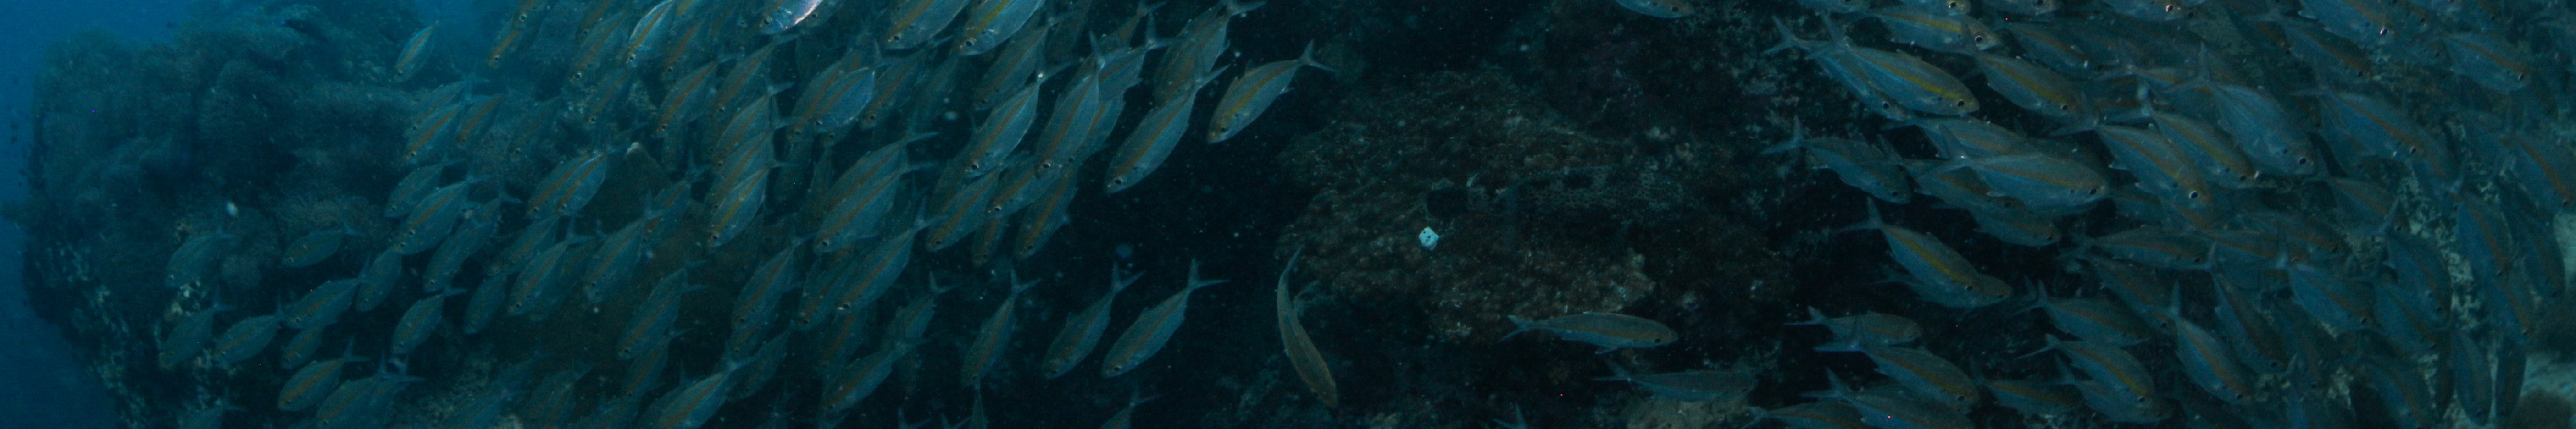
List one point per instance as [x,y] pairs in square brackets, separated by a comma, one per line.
[1430,240]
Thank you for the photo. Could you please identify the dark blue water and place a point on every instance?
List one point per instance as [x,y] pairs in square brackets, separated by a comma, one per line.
[45,388]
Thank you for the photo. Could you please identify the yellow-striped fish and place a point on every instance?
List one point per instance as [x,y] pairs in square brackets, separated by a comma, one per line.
[787,14]
[415,52]
[1152,328]
[993,336]
[1252,93]
[1154,138]
[913,22]
[1082,330]
[992,22]
[645,39]
[1302,354]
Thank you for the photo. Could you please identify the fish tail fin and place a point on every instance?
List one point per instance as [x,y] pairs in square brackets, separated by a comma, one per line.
[2090,123]
[1840,391]
[1788,39]
[1017,286]
[1617,373]
[2038,299]
[1234,8]
[1196,282]
[349,352]
[1874,221]
[935,288]
[2052,345]
[1797,138]
[1308,59]
[1204,79]
[1814,317]
[1519,325]
[1118,282]
[1291,266]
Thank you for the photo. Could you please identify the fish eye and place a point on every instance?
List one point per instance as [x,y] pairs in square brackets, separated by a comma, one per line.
[2192,195]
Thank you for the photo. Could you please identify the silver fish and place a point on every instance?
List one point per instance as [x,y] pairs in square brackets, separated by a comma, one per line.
[1666,9]
[1154,138]
[1865,165]
[755,306]
[1082,330]
[786,15]
[2097,320]
[2210,364]
[1867,328]
[244,340]
[299,350]
[695,402]
[2219,157]
[420,321]
[1927,374]
[2263,131]
[488,299]
[1836,6]
[1688,386]
[2019,227]
[1942,275]
[312,383]
[415,52]
[993,336]
[1252,93]
[1002,130]
[188,264]
[913,22]
[2367,22]
[1932,27]
[2025,7]
[2151,10]
[2488,62]
[655,317]
[315,247]
[376,282]
[851,383]
[1894,409]
[569,187]
[991,22]
[434,218]
[2044,182]
[1610,331]
[1202,41]
[1152,328]
[1318,375]
[2038,90]
[656,24]
[322,305]
[2035,397]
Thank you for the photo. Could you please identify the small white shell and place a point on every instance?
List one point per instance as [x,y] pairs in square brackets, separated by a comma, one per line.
[1430,240]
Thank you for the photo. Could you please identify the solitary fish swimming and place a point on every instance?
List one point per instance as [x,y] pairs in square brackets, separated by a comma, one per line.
[1302,355]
